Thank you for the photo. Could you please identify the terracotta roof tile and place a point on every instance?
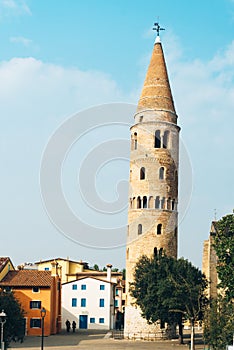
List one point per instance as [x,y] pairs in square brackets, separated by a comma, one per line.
[156,93]
[27,278]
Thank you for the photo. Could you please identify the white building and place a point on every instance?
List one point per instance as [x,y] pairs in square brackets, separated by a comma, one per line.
[89,301]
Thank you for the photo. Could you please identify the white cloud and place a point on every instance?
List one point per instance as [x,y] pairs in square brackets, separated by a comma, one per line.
[48,89]
[14,7]
[21,40]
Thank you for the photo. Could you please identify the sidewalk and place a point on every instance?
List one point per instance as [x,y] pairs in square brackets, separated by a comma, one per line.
[95,340]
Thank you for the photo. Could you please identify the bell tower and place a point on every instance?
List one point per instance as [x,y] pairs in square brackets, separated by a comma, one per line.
[153,185]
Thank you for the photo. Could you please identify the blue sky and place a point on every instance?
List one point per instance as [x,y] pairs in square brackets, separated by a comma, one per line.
[60,57]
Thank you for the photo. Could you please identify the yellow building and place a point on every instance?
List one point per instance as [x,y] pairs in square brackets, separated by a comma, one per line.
[5,266]
[70,270]
[67,268]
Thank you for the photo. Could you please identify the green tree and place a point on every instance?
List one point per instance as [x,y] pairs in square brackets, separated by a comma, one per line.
[224,247]
[96,267]
[14,326]
[219,323]
[219,320]
[115,269]
[168,290]
[124,274]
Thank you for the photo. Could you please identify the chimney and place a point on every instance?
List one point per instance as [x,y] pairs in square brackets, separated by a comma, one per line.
[109,266]
[54,268]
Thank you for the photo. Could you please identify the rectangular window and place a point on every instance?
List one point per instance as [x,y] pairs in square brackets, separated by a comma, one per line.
[101,302]
[101,320]
[74,287]
[83,302]
[83,287]
[35,323]
[35,289]
[47,269]
[35,304]
[116,292]
[102,287]
[92,320]
[116,303]
[74,302]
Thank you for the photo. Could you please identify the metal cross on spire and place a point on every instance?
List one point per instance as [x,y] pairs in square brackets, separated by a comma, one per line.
[157,27]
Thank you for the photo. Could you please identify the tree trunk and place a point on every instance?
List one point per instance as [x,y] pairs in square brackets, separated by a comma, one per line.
[192,335]
[171,331]
[181,336]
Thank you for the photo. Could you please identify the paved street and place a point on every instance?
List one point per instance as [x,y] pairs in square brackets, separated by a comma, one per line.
[95,340]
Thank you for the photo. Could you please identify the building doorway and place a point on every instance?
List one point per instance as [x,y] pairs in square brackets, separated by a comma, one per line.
[83,321]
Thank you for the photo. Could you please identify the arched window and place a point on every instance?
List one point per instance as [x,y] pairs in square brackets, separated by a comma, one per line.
[134,203]
[157,139]
[157,202]
[176,232]
[173,204]
[176,178]
[130,203]
[142,173]
[135,140]
[165,139]
[135,144]
[138,202]
[139,229]
[159,229]
[161,173]
[144,202]
[155,251]
[160,252]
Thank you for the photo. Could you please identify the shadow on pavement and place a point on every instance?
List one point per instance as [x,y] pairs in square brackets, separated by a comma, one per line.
[59,340]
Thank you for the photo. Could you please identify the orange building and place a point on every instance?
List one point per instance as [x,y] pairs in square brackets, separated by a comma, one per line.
[34,290]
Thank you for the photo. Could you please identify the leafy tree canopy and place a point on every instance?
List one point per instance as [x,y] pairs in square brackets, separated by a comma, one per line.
[96,267]
[219,323]
[165,288]
[224,247]
[14,326]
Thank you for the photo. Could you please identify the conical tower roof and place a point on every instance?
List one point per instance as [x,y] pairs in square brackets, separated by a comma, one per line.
[156,93]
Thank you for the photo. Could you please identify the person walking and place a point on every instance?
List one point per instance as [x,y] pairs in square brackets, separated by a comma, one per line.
[73,326]
[68,325]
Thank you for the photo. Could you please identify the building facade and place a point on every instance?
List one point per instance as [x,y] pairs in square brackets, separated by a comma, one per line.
[35,290]
[153,187]
[5,266]
[209,263]
[70,270]
[89,302]
[67,268]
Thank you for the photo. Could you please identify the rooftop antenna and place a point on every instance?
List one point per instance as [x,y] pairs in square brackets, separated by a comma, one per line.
[215,214]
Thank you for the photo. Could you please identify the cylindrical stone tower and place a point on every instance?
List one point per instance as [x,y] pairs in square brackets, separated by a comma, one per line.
[153,187]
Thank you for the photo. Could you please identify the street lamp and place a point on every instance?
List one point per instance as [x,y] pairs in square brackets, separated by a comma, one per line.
[2,321]
[43,313]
